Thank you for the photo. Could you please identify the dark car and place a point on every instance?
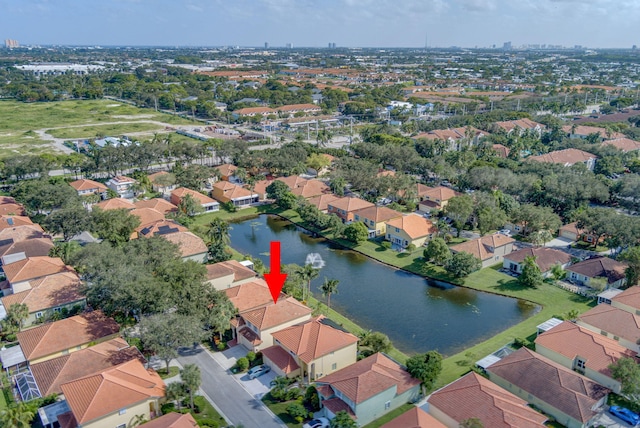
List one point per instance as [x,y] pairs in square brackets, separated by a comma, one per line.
[626,415]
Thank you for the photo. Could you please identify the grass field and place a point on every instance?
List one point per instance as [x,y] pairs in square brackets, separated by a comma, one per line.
[104,130]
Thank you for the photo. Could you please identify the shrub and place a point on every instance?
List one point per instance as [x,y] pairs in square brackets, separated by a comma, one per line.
[221,346]
[297,411]
[251,356]
[207,422]
[311,398]
[167,408]
[386,245]
[242,364]
[294,393]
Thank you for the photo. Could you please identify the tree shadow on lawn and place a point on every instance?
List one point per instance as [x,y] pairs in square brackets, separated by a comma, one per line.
[511,285]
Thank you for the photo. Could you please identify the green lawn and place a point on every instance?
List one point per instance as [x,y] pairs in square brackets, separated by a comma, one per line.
[280,410]
[207,411]
[173,371]
[390,416]
[104,130]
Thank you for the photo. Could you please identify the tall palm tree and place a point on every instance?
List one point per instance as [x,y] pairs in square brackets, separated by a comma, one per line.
[218,231]
[329,287]
[308,273]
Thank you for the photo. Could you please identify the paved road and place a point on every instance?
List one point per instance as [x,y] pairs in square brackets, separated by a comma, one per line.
[234,401]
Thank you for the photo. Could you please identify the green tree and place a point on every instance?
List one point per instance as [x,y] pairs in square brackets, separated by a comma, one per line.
[459,209]
[65,250]
[69,221]
[329,287]
[218,231]
[277,190]
[17,416]
[297,411]
[17,314]
[308,273]
[557,272]
[217,252]
[192,379]
[531,277]
[471,423]
[356,232]
[426,368]
[437,251]
[627,372]
[219,311]
[462,264]
[375,342]
[189,207]
[342,420]
[114,226]
[632,257]
[176,391]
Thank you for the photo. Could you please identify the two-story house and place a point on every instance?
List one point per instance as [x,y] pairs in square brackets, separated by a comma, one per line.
[346,207]
[86,187]
[208,204]
[409,229]
[122,185]
[567,157]
[489,249]
[225,192]
[376,218]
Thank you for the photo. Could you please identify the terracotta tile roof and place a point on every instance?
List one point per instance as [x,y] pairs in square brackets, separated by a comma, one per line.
[313,339]
[440,193]
[51,374]
[298,107]
[36,247]
[260,187]
[565,157]
[350,204]
[180,192]
[226,169]
[573,341]
[281,358]
[85,184]
[250,295]
[188,243]
[322,202]
[230,267]
[115,204]
[158,204]
[224,191]
[21,233]
[146,216]
[414,418]
[122,179]
[271,315]
[67,420]
[68,333]
[629,297]
[7,200]
[451,134]
[335,405]
[564,389]
[501,150]
[311,188]
[292,181]
[254,110]
[473,396]
[600,267]
[34,267]
[481,248]
[12,209]
[369,377]
[162,227]
[624,144]
[113,389]
[587,130]
[545,257]
[613,320]
[49,292]
[378,214]
[9,221]
[414,225]
[173,420]
[152,177]
[572,228]
[250,336]
[524,123]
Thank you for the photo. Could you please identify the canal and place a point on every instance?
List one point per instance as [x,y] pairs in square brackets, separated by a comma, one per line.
[417,314]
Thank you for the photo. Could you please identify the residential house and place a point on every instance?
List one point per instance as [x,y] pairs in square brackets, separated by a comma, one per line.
[161,227]
[209,205]
[226,192]
[10,221]
[585,351]
[414,418]
[231,273]
[22,233]
[250,295]
[367,389]
[158,204]
[114,397]
[455,138]
[598,267]
[346,207]
[122,185]
[409,229]
[49,375]
[9,206]
[501,150]
[12,250]
[322,202]
[48,295]
[310,188]
[147,217]
[115,204]
[490,249]
[260,188]
[613,322]
[63,337]
[435,198]
[253,111]
[22,272]
[291,109]
[313,349]
[473,396]
[162,181]
[519,126]
[572,399]
[567,157]
[623,144]
[173,420]
[376,218]
[190,245]
[89,187]
[545,257]
[582,131]
[227,171]
[628,300]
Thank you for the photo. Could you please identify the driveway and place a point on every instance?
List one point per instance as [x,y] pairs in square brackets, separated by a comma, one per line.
[237,404]
[256,387]
[606,419]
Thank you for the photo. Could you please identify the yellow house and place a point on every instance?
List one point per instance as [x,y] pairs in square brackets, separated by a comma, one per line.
[312,349]
[410,229]
[376,218]
[115,397]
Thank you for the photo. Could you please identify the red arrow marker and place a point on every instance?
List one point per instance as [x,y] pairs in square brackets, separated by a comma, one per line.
[275,279]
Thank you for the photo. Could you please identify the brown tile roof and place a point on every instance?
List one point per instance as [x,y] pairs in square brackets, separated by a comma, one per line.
[440,193]
[629,297]
[68,333]
[524,123]
[113,389]
[36,247]
[115,204]
[297,107]
[369,377]
[573,341]
[51,374]
[21,233]
[230,267]
[451,134]
[260,187]
[473,396]
[414,225]
[48,292]
[501,150]
[122,179]
[564,389]
[271,315]
[292,181]
[12,209]
[572,228]
[313,339]
[173,420]
[152,177]
[66,420]
[9,221]
[34,267]
[189,243]
[311,188]
[225,191]
[481,248]
[322,202]
[254,110]
[587,130]
[600,266]
[378,214]
[545,257]
[335,405]
[180,192]
[146,216]
[85,184]
[250,336]
[565,157]
[250,295]
[414,418]
[162,227]
[624,144]
[613,320]
[350,204]
[157,204]
[226,169]
[281,358]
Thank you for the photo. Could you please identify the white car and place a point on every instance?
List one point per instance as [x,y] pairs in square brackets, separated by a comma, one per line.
[317,423]
[506,232]
[259,371]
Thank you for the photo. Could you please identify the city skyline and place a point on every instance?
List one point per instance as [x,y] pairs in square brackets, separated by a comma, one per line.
[308,23]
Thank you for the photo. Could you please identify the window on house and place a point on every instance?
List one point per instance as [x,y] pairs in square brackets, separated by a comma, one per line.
[56,309]
[38,314]
[122,411]
[397,230]
[602,332]
[334,366]
[387,405]
[580,364]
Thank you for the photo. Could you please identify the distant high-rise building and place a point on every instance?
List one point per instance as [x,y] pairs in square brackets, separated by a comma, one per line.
[634,47]
[9,43]
[289,45]
[266,45]
[331,45]
[506,46]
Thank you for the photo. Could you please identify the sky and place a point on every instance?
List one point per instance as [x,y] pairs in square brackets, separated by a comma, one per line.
[315,23]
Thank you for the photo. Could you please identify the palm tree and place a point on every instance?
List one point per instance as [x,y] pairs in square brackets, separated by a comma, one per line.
[192,379]
[218,231]
[176,391]
[329,287]
[308,273]
[19,416]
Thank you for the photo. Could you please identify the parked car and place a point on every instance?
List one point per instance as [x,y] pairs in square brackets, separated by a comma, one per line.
[506,232]
[625,414]
[317,423]
[258,371]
